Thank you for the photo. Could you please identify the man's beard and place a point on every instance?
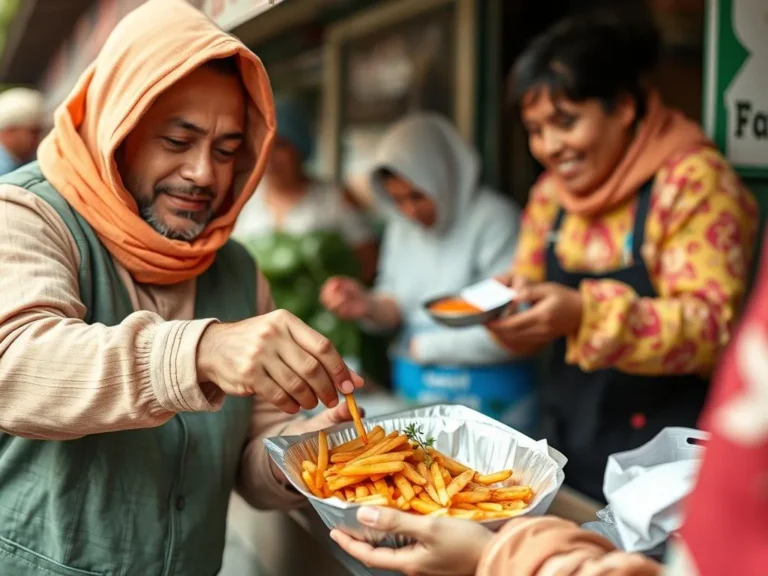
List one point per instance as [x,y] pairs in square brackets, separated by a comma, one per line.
[199,219]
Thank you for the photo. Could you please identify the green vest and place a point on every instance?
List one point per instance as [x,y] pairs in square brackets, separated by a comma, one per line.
[147,502]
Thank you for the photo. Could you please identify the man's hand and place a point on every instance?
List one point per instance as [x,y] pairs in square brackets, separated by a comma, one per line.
[276,357]
[346,298]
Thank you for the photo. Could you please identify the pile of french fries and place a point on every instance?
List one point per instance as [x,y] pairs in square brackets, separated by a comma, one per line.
[389,470]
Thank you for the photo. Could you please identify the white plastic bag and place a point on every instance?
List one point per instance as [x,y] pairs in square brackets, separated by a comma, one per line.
[645,487]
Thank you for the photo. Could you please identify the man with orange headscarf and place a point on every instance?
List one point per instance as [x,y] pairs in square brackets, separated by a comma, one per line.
[141,365]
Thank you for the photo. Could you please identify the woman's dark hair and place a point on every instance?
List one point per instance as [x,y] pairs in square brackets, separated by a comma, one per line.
[600,55]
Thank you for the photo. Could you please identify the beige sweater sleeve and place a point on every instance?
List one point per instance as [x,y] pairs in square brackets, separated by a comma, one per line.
[256,482]
[549,546]
[61,378]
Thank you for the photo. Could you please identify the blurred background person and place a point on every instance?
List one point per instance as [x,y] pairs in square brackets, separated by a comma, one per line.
[21,114]
[635,247]
[445,231]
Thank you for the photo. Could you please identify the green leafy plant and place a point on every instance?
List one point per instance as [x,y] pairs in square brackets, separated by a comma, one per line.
[415,434]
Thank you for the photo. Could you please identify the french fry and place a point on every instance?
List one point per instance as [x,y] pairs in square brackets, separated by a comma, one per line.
[379,459]
[490,506]
[418,455]
[477,487]
[437,477]
[430,485]
[322,458]
[376,434]
[459,483]
[488,479]
[404,486]
[309,466]
[446,476]
[439,512]
[352,405]
[464,514]
[455,468]
[371,469]
[403,504]
[392,491]
[342,482]
[375,500]
[382,488]
[378,477]
[344,457]
[340,495]
[514,505]
[361,492]
[416,488]
[523,493]
[382,446]
[413,476]
[501,515]
[471,497]
[465,506]
[349,494]
[310,482]
[424,507]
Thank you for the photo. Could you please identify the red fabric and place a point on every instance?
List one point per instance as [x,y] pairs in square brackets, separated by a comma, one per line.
[726,528]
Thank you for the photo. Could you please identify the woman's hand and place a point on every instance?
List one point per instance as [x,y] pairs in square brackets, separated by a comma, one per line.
[555,312]
[444,546]
[346,298]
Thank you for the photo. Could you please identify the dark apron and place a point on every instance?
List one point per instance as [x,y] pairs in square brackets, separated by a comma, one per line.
[590,415]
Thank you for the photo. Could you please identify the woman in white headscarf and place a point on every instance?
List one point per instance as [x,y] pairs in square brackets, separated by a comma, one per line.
[445,232]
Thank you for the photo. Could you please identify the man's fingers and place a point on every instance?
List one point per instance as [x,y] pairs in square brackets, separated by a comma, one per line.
[419,528]
[357,380]
[293,382]
[326,355]
[312,373]
[273,393]
[399,560]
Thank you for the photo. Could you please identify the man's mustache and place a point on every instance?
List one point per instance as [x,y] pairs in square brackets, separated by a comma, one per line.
[191,191]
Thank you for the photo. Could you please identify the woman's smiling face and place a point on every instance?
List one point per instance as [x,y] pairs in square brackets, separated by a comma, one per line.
[582,142]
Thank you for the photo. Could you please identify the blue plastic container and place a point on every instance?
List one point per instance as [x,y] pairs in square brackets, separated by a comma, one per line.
[505,392]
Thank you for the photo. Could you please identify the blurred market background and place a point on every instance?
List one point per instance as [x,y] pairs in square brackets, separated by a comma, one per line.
[355,67]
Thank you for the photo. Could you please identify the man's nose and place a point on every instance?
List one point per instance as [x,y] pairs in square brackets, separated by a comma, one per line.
[198,169]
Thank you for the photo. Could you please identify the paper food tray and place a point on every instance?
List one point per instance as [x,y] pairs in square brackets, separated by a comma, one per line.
[471,438]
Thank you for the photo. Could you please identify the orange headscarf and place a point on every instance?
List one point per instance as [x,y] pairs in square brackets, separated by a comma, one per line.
[662,133]
[152,48]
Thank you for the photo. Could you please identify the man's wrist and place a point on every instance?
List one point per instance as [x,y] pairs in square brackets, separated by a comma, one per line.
[206,354]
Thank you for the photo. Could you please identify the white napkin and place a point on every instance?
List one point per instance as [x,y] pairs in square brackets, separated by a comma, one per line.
[488,294]
[646,486]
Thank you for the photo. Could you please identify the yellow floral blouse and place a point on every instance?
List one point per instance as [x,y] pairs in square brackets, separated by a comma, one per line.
[698,247]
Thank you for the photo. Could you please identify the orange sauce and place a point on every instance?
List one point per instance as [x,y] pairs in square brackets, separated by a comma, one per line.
[453,306]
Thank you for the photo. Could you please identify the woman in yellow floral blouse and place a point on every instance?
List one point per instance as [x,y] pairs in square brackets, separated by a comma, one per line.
[635,246]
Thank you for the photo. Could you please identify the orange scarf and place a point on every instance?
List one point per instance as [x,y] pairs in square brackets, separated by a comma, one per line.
[152,48]
[662,133]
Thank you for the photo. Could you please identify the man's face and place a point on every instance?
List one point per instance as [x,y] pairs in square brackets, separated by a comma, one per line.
[178,162]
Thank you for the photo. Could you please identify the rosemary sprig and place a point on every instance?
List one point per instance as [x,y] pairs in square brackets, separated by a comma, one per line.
[415,434]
